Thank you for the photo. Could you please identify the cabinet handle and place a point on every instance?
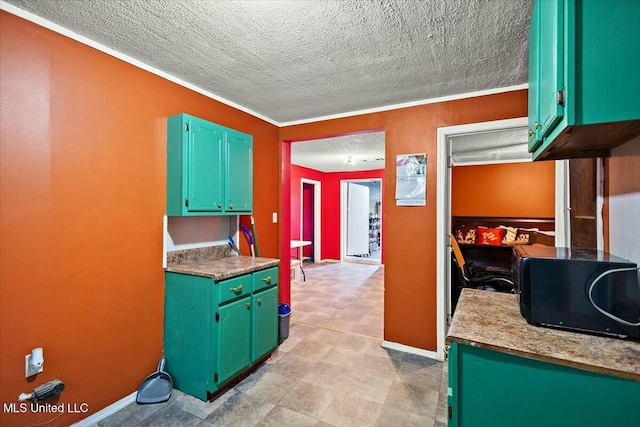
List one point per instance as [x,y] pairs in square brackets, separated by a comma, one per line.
[536,125]
[231,206]
[236,289]
[531,133]
[266,279]
[219,205]
[259,301]
[248,305]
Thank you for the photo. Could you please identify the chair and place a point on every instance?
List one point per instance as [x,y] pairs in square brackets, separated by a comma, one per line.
[489,278]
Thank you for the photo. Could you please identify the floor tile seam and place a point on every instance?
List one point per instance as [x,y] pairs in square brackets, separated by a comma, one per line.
[190,413]
[336,330]
[174,408]
[238,408]
[353,397]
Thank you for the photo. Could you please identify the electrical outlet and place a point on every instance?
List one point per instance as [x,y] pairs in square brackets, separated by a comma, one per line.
[275,217]
[29,369]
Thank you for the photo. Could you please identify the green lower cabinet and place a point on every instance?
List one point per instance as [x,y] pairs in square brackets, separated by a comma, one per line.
[489,388]
[190,333]
[265,323]
[214,331]
[234,338]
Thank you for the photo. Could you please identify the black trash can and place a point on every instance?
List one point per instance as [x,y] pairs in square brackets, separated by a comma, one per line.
[284,313]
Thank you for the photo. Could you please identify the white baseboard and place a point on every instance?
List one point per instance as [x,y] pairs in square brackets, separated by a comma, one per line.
[412,350]
[105,412]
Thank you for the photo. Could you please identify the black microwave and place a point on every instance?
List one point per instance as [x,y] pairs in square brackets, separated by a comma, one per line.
[569,288]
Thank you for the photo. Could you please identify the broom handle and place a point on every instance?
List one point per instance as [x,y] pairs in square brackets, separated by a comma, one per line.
[255,236]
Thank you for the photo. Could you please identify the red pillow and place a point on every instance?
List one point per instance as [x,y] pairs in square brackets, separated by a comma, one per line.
[490,236]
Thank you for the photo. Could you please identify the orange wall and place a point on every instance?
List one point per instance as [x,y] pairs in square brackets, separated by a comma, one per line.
[512,189]
[83,161]
[410,232]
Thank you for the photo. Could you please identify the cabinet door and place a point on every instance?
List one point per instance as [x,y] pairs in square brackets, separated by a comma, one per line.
[533,393]
[239,172]
[204,171]
[534,65]
[551,58]
[265,322]
[234,338]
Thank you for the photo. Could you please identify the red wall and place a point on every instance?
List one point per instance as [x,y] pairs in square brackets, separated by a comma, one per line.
[82,180]
[512,189]
[410,232]
[330,205]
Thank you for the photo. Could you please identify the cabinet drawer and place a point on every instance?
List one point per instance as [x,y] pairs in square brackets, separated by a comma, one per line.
[234,288]
[265,278]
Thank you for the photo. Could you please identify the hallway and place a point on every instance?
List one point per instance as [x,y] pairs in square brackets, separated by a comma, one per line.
[345,297]
[331,371]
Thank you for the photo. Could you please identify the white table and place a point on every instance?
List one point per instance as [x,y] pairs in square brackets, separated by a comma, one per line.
[299,244]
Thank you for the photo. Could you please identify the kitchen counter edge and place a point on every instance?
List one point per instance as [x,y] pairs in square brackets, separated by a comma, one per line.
[223,268]
[493,321]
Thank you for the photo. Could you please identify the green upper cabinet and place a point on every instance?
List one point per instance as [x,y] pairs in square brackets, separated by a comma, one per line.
[239,172]
[550,81]
[204,167]
[583,77]
[534,66]
[209,168]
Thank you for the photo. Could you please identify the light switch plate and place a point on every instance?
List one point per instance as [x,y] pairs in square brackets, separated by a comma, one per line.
[275,217]
[29,370]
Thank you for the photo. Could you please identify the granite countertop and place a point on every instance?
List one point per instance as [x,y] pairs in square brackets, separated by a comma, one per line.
[493,321]
[219,263]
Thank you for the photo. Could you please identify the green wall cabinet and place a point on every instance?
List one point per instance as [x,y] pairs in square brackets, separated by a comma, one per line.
[209,168]
[534,66]
[583,77]
[490,388]
[238,178]
[214,331]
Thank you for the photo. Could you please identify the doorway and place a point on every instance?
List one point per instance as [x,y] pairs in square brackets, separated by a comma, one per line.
[310,219]
[443,199]
[361,220]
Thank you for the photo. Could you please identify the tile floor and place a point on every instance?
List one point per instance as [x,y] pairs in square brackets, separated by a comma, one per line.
[331,371]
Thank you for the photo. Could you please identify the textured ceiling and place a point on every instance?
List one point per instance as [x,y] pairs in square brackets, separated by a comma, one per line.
[363,151]
[296,60]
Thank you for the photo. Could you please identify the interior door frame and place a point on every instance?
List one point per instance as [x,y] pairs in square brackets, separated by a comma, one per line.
[317,219]
[443,209]
[343,215]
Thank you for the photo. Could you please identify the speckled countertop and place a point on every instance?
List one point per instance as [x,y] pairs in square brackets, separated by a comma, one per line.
[493,321]
[217,262]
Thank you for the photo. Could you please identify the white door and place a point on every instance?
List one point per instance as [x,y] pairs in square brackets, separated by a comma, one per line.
[357,219]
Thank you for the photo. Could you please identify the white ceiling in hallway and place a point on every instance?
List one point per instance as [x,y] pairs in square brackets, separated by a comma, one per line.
[358,152]
[289,61]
